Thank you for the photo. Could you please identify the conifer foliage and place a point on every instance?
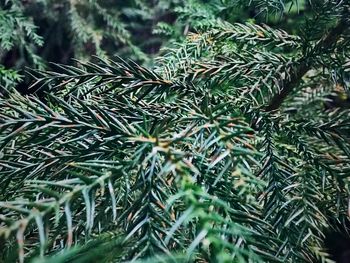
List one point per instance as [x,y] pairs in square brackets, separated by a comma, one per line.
[230,149]
[34,32]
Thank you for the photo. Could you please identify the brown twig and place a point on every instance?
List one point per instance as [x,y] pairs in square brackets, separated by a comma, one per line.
[296,75]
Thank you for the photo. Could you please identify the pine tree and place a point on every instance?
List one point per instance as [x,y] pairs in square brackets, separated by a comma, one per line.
[230,149]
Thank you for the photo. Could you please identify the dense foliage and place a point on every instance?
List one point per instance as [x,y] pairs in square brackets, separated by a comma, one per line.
[35,32]
[233,147]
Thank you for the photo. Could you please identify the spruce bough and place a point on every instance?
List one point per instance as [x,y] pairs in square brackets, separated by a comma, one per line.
[223,152]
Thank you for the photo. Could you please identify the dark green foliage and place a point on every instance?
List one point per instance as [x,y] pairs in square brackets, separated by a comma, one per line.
[35,32]
[228,150]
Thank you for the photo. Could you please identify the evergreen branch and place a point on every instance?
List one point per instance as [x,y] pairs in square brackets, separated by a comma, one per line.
[115,76]
[181,160]
[305,64]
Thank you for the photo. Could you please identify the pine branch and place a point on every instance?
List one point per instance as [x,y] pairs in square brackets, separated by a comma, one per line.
[305,65]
